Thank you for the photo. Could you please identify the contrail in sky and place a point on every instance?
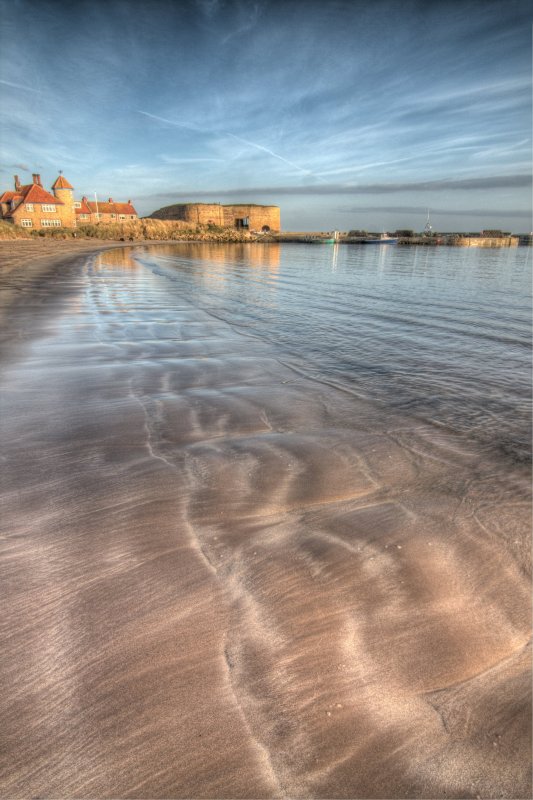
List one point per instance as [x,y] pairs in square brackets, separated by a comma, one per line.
[232,135]
[172,122]
[20,86]
[270,152]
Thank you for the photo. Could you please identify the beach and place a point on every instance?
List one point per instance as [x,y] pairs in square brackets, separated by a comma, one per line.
[226,577]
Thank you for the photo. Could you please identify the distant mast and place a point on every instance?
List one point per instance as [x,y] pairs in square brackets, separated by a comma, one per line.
[428,230]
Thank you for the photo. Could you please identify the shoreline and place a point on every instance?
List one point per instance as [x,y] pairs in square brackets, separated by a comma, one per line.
[199,542]
[31,259]
[26,266]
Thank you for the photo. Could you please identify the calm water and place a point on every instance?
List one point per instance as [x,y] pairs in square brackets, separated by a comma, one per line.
[440,333]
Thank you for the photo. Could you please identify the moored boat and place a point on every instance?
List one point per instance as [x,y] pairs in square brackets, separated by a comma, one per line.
[384,238]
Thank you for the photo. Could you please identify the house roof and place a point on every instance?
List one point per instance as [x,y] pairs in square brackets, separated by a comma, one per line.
[31,193]
[125,208]
[62,183]
[7,197]
[101,207]
[111,208]
[84,207]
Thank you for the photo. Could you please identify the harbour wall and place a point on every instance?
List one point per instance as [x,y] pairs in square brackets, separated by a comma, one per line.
[485,241]
[426,241]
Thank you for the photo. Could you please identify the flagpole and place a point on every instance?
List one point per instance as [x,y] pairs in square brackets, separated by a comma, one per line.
[96,204]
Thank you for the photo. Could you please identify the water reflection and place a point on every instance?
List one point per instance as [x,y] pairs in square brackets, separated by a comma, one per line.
[441,332]
[261,255]
[121,257]
[334,257]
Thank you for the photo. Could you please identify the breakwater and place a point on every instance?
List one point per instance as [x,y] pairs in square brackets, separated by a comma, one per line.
[449,240]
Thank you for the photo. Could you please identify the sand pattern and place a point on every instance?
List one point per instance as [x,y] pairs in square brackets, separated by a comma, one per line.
[224,579]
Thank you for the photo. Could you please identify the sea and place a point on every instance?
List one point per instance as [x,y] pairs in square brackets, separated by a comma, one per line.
[439,333]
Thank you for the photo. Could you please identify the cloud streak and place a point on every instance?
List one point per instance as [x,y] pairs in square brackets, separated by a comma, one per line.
[464,184]
[247,142]
[13,85]
[421,211]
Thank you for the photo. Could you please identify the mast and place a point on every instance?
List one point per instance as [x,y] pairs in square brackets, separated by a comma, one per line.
[428,228]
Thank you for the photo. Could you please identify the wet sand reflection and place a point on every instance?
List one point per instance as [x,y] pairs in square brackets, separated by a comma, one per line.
[226,580]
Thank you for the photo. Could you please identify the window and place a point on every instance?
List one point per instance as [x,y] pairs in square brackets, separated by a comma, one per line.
[122,216]
[51,223]
[26,223]
[49,207]
[77,204]
[132,216]
[83,216]
[29,208]
[113,216]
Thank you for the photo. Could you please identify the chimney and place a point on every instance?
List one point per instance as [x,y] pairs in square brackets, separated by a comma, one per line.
[17,183]
[83,199]
[36,179]
[129,202]
[110,200]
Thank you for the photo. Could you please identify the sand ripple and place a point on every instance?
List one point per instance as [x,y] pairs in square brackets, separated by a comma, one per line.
[227,580]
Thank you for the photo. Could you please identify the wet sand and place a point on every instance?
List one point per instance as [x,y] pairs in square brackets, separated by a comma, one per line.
[223,579]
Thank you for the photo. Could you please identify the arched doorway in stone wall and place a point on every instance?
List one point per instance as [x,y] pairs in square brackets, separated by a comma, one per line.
[265,228]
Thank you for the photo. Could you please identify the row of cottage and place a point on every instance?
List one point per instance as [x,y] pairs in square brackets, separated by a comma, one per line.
[31,206]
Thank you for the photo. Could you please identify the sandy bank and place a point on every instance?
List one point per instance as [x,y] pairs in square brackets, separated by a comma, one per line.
[25,261]
[34,256]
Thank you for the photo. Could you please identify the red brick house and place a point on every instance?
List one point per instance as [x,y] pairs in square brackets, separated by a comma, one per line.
[31,206]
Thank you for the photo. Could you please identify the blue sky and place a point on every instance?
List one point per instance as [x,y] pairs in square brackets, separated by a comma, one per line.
[346,114]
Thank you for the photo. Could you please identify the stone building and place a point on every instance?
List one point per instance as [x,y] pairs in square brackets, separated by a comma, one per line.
[247,216]
[107,211]
[31,206]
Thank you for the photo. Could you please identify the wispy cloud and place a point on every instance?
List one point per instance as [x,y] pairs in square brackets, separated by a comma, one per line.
[270,152]
[251,14]
[186,125]
[178,161]
[19,86]
[463,184]
[421,211]
[247,142]
[208,7]
[23,167]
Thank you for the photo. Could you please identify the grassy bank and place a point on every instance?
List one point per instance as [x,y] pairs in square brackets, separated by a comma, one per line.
[136,230]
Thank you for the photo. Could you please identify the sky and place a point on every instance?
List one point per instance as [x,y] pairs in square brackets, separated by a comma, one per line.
[347,115]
